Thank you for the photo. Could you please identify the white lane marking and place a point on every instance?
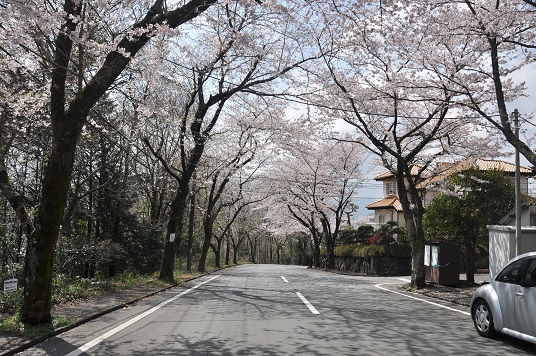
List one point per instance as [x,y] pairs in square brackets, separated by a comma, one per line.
[420,299]
[283,278]
[306,302]
[403,279]
[126,324]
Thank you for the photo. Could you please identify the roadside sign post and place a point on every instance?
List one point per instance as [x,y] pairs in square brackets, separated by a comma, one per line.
[10,286]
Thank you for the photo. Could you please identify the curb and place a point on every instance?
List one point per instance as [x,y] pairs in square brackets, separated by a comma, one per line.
[26,345]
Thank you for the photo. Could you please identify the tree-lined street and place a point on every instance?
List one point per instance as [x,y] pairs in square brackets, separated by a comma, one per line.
[255,309]
[137,137]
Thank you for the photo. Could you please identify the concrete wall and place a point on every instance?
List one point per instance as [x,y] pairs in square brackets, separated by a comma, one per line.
[502,245]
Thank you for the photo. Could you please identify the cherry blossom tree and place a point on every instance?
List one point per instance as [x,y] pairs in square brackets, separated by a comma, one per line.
[314,186]
[218,196]
[397,91]
[502,35]
[53,36]
[233,62]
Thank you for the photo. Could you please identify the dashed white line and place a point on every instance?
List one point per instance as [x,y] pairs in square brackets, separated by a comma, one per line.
[306,302]
[420,299]
[126,324]
[284,279]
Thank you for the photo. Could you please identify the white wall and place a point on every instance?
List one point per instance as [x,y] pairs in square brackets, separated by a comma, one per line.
[502,245]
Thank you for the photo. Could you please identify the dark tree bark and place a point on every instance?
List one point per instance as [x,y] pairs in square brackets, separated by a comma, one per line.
[252,241]
[191,222]
[227,252]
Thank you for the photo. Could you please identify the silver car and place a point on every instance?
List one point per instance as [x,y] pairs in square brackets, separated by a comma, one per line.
[508,303]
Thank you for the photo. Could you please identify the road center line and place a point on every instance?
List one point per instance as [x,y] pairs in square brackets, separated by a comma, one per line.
[126,324]
[306,302]
[420,299]
[283,278]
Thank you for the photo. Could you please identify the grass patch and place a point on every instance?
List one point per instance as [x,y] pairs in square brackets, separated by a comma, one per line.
[11,325]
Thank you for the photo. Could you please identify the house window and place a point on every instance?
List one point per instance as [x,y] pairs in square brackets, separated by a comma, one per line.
[381,219]
[390,188]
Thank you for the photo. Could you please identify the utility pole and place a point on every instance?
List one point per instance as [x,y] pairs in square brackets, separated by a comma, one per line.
[515,116]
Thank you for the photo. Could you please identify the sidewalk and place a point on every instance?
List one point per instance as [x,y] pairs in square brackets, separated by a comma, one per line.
[460,294]
[82,311]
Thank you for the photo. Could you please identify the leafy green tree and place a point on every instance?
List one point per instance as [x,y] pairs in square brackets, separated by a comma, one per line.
[364,232]
[348,236]
[472,200]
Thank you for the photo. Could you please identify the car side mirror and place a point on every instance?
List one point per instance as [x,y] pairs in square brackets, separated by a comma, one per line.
[527,283]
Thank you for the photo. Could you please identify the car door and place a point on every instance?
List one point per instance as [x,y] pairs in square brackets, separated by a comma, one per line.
[525,301]
[506,285]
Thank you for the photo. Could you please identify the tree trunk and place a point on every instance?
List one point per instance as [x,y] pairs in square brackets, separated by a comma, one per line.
[253,249]
[413,214]
[235,253]
[174,227]
[227,252]
[207,228]
[217,254]
[42,242]
[271,250]
[317,255]
[329,245]
[191,222]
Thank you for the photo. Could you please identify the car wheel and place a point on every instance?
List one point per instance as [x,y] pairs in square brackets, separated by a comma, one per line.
[483,319]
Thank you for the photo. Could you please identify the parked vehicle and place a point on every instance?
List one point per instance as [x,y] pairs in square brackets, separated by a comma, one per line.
[508,303]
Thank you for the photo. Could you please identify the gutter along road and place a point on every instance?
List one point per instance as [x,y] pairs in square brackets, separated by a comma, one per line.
[282,310]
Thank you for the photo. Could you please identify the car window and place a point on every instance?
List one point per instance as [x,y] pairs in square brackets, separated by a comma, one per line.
[530,272]
[512,272]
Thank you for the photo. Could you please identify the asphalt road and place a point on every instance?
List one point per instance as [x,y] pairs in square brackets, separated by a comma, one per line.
[282,310]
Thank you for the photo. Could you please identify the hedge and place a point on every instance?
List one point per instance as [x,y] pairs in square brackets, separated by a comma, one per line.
[362,251]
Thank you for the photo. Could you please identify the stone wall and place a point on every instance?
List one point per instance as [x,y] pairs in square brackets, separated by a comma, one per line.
[374,266]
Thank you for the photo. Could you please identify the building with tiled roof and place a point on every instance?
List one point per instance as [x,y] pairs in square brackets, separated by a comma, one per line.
[390,209]
[436,182]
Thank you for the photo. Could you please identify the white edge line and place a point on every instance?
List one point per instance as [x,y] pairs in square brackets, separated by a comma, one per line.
[126,324]
[306,302]
[420,299]
[284,279]
[403,279]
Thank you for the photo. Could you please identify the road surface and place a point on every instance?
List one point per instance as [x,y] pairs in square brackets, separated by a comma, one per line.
[282,310]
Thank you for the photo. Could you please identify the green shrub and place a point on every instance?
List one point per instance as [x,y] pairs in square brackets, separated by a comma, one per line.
[66,289]
[364,251]
[372,251]
[10,302]
[344,250]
